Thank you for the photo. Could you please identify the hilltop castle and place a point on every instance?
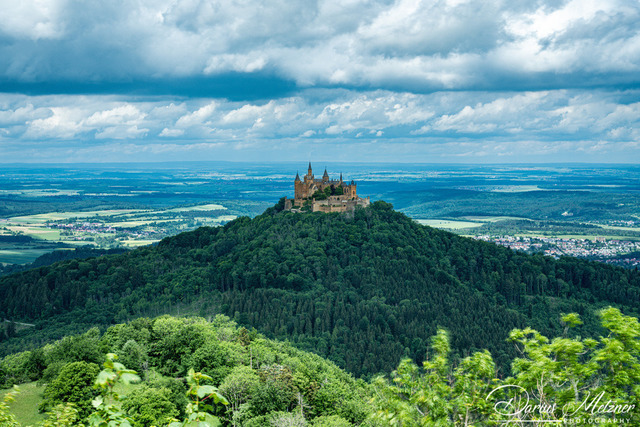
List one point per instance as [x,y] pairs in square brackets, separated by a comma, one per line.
[324,195]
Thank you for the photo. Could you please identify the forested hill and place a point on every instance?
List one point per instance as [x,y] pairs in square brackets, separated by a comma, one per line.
[58,255]
[363,289]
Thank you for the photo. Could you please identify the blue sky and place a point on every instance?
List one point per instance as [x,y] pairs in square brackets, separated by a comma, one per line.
[406,81]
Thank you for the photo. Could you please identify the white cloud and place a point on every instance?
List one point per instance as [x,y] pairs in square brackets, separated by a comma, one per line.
[171,133]
[21,114]
[124,114]
[248,114]
[412,44]
[505,114]
[583,36]
[201,116]
[504,123]
[334,114]
[121,132]
[64,123]
[32,19]
[233,62]
[424,27]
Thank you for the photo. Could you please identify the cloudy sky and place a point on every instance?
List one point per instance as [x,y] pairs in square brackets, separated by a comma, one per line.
[345,80]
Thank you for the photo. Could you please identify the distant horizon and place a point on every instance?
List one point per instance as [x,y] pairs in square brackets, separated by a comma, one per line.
[319,162]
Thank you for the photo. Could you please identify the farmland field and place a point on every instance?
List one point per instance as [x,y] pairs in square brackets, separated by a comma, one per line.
[106,228]
[130,205]
[61,216]
[448,224]
[20,255]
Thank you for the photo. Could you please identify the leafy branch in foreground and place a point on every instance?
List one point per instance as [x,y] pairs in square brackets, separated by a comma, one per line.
[199,410]
[560,380]
[107,413]
[7,419]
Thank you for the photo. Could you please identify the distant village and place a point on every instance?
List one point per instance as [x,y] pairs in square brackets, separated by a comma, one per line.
[86,227]
[609,251]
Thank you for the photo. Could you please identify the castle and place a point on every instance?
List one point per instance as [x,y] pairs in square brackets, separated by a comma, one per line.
[324,195]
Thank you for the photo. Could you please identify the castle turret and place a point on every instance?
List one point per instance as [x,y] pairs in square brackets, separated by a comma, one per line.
[298,177]
[309,171]
[325,177]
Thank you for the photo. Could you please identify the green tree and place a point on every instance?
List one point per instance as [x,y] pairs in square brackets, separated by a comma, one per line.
[134,356]
[62,416]
[150,406]
[286,419]
[238,387]
[276,390]
[330,421]
[74,385]
[10,329]
[214,359]
[319,195]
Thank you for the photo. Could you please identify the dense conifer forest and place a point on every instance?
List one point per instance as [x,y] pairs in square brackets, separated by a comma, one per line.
[57,256]
[363,289]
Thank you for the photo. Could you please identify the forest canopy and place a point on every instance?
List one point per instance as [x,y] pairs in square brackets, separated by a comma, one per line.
[190,371]
[363,289]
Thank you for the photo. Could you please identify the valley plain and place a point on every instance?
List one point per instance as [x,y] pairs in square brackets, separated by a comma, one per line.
[45,208]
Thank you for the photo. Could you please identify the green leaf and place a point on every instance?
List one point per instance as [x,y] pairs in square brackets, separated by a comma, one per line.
[206,390]
[129,378]
[97,401]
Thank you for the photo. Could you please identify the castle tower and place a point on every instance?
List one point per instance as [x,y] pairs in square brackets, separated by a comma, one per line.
[325,177]
[309,171]
[298,187]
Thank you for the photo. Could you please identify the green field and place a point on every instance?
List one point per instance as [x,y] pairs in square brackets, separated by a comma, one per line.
[26,402]
[21,256]
[36,232]
[137,243]
[59,216]
[209,207]
[45,192]
[517,189]
[493,218]
[133,228]
[618,227]
[448,224]
[25,405]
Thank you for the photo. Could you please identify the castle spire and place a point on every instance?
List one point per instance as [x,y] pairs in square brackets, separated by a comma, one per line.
[309,171]
[297,176]
[325,177]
